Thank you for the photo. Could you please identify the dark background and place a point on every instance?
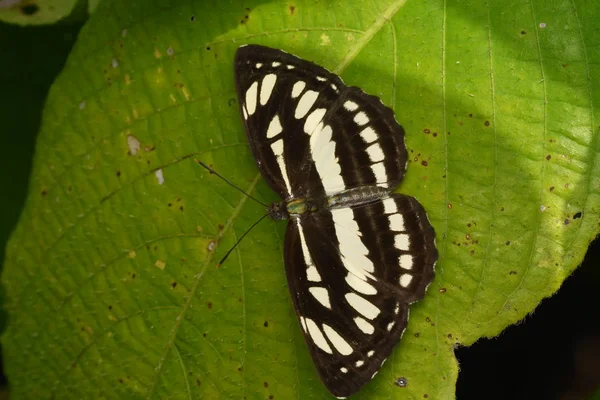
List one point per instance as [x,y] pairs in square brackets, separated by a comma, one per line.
[552,354]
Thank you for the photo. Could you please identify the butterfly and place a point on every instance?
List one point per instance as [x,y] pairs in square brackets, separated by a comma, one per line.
[356,254]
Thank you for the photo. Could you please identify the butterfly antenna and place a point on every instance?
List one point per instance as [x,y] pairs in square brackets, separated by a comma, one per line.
[239,240]
[212,171]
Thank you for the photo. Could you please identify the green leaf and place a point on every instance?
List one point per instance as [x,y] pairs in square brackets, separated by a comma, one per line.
[111,280]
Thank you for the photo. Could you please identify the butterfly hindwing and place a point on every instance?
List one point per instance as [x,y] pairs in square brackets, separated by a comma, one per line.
[352,273]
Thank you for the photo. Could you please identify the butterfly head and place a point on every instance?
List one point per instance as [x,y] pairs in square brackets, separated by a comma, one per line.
[278,211]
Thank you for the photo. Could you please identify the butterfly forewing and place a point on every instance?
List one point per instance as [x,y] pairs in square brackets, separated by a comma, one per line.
[352,281]
[356,255]
[329,135]
[277,93]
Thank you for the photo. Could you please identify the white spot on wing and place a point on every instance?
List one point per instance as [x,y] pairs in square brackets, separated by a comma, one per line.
[406,261]
[312,273]
[402,242]
[370,353]
[251,98]
[313,119]
[303,323]
[321,78]
[365,326]
[298,88]
[389,206]
[338,341]
[405,280]
[290,67]
[361,118]
[362,305]
[266,88]
[359,363]
[277,147]
[350,105]
[389,328]
[317,336]
[344,370]
[323,152]
[352,249]
[321,295]
[360,285]
[334,88]
[258,65]
[379,172]
[274,127]
[368,135]
[397,222]
[276,64]
[305,103]
[375,153]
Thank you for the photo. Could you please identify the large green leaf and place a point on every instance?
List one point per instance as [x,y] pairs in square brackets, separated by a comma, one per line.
[110,277]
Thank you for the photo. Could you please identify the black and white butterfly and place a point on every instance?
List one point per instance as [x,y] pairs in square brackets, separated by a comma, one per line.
[356,254]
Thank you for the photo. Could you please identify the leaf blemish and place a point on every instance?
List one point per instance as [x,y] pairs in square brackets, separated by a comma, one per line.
[192,18]
[401,382]
[134,145]
[159,176]
[209,305]
[577,215]
[292,9]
